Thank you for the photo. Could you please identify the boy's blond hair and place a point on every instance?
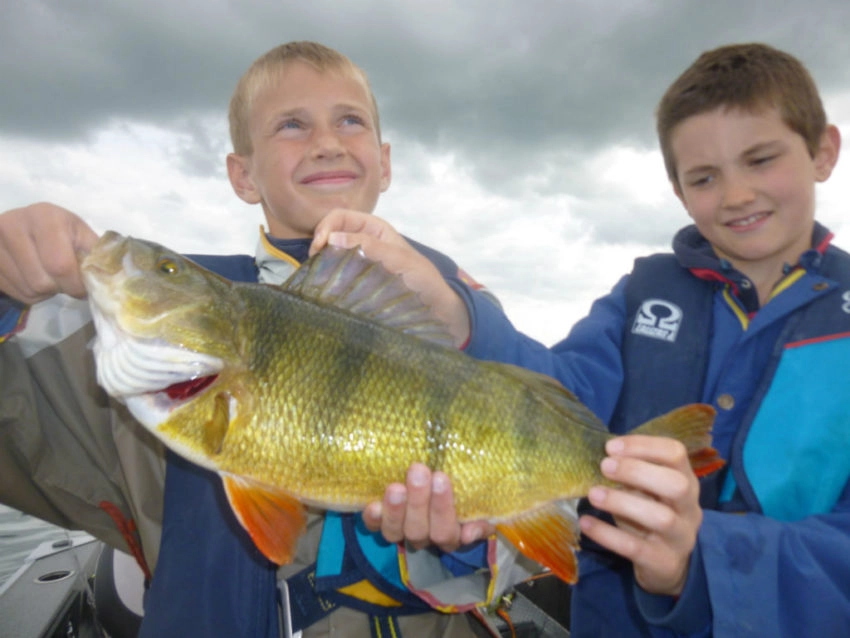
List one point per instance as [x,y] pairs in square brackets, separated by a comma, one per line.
[263,73]
[743,76]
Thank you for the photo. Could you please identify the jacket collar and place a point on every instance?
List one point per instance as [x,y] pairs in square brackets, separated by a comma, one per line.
[277,258]
[694,252]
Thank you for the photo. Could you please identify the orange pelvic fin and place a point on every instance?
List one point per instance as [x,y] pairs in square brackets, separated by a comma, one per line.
[690,424]
[548,535]
[274,520]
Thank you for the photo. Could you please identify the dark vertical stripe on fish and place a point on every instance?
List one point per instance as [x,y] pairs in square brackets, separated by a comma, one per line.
[528,416]
[346,369]
[438,406]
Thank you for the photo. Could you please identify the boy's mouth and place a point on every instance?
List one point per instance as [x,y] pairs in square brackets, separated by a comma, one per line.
[329,177]
[748,221]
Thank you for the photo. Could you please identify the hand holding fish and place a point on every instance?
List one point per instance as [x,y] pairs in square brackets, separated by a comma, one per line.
[657,511]
[422,512]
[380,242]
[38,252]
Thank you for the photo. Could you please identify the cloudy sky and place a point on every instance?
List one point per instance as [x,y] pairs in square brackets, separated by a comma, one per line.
[522,130]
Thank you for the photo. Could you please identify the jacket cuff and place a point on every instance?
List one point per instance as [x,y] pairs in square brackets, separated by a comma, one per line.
[488,323]
[689,613]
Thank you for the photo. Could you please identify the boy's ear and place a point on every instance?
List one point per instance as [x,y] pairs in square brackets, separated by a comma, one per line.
[386,167]
[827,155]
[239,172]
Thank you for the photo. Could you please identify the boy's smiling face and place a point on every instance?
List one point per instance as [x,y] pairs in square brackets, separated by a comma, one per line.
[315,148]
[748,182]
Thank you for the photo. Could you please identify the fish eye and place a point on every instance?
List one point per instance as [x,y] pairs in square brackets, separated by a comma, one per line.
[167,266]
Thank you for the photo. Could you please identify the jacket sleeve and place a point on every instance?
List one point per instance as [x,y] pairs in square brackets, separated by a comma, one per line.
[772,578]
[68,454]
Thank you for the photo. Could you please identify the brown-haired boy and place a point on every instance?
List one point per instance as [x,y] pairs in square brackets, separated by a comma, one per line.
[750,313]
[304,125]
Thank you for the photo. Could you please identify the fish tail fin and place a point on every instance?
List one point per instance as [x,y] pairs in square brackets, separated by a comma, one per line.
[548,535]
[273,519]
[690,424]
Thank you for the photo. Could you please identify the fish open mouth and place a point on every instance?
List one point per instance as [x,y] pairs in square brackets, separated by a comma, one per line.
[153,406]
[129,366]
[187,389]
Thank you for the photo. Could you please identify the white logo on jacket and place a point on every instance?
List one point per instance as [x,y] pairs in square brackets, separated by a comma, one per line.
[846,298]
[658,319]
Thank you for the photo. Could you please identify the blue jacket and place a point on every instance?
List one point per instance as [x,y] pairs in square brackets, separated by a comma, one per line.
[773,553]
[210,579]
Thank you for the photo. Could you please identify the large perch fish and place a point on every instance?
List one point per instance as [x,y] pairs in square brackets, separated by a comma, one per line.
[324,391]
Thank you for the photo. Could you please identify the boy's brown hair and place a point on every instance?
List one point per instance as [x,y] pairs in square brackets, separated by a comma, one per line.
[262,73]
[743,76]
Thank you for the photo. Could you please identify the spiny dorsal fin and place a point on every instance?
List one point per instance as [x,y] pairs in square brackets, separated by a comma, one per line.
[347,279]
[554,393]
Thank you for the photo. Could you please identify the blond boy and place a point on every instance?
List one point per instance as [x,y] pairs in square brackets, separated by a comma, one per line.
[306,140]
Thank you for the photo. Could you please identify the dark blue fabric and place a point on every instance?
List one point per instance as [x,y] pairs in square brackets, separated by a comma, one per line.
[234,267]
[681,363]
[306,605]
[210,580]
[10,314]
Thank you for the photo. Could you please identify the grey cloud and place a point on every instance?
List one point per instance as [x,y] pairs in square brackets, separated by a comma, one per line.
[201,148]
[501,85]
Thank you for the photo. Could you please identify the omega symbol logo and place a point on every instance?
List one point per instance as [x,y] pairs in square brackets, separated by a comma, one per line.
[846,298]
[658,319]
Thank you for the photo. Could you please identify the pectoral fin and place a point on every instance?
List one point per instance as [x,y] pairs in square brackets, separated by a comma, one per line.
[548,535]
[216,428]
[274,519]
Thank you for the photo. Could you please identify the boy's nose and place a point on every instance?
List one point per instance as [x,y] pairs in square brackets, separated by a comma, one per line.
[737,192]
[326,144]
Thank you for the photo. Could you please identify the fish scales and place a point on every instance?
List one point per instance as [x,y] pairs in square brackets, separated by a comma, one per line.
[292,398]
[383,387]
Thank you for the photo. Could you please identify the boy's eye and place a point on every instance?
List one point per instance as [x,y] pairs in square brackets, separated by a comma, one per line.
[290,124]
[761,159]
[352,119]
[702,180]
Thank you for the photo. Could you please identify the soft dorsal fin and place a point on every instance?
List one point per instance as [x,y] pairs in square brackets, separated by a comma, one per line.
[347,279]
[553,393]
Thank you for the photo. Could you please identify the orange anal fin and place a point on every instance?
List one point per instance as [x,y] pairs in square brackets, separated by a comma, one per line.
[548,535]
[273,519]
